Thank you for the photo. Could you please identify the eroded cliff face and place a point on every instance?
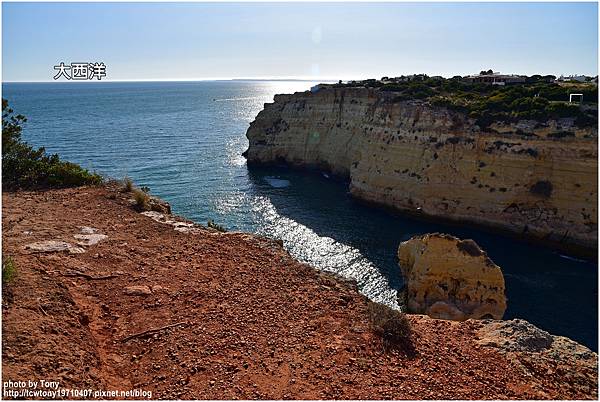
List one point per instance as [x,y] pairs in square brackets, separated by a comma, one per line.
[539,180]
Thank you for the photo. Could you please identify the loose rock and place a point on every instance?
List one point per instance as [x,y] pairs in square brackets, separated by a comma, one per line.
[52,246]
[89,239]
[137,290]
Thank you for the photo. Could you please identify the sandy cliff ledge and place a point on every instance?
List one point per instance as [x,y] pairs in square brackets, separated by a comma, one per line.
[522,178]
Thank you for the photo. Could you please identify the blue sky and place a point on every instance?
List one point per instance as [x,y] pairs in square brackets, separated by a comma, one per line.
[186,41]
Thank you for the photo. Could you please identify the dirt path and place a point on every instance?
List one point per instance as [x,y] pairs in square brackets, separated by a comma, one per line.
[251,321]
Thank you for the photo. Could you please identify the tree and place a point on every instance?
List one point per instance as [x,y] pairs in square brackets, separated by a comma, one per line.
[26,167]
[11,127]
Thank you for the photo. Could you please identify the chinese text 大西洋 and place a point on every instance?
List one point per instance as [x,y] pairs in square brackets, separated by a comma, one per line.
[80,71]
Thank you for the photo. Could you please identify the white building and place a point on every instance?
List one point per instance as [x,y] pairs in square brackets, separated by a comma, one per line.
[578,78]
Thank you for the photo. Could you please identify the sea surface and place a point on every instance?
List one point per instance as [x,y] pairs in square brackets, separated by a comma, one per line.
[184,140]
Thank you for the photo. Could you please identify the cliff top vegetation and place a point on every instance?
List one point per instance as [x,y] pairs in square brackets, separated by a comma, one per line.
[538,98]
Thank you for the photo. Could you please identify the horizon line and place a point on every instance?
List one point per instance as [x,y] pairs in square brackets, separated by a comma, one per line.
[283,79]
[323,79]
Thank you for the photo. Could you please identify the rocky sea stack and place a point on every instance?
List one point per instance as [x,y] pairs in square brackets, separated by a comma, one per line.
[451,278]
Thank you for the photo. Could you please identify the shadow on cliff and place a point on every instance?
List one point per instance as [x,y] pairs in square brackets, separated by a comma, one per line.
[532,273]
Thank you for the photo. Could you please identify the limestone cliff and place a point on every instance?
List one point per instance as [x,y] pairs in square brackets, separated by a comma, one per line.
[534,179]
[450,278]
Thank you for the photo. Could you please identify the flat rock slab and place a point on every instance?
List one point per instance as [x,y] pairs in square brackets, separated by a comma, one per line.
[140,290]
[53,246]
[89,239]
[87,230]
[184,229]
[157,216]
[180,226]
[515,336]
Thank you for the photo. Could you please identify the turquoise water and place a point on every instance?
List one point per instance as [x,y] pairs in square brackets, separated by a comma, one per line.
[184,140]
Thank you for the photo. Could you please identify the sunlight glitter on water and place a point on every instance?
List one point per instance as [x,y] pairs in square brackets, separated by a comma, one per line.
[234,157]
[231,203]
[323,252]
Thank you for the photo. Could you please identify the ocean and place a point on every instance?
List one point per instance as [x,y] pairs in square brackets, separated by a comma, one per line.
[184,141]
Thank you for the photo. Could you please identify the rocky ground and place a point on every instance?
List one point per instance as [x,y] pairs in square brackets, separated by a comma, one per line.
[120,300]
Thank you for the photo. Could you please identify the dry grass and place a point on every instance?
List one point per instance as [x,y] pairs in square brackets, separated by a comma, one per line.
[127,185]
[391,325]
[141,200]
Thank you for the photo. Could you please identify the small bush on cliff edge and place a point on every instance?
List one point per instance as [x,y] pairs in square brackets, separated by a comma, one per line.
[127,184]
[9,270]
[9,273]
[142,201]
[24,167]
[213,225]
[391,325]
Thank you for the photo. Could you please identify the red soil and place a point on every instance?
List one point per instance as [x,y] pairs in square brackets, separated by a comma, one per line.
[256,324]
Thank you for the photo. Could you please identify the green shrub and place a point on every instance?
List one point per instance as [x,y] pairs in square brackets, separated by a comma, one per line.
[562,109]
[391,325]
[372,83]
[24,167]
[399,87]
[9,270]
[213,225]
